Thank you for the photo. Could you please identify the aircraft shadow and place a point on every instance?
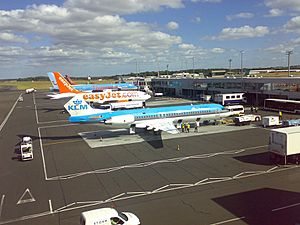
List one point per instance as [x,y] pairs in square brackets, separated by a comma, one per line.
[266,159]
[122,136]
[262,206]
[258,158]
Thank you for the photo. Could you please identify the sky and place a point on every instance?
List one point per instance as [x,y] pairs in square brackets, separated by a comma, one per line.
[108,37]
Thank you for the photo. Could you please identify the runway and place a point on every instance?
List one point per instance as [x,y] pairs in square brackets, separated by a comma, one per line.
[221,175]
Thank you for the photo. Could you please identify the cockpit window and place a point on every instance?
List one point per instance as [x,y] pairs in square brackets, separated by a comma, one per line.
[123,216]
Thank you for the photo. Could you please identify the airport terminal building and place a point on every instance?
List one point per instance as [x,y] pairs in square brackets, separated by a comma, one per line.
[255,89]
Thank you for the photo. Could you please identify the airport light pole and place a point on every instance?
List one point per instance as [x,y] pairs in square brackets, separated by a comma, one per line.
[167,69]
[241,53]
[288,53]
[230,61]
[193,67]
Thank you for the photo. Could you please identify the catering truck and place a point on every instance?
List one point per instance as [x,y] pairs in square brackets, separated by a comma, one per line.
[108,216]
[285,142]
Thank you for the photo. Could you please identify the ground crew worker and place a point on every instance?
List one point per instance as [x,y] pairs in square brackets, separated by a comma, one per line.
[188,126]
[182,127]
[196,126]
[256,108]
[280,115]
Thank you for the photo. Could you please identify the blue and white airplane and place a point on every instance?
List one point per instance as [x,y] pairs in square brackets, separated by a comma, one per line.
[93,87]
[157,119]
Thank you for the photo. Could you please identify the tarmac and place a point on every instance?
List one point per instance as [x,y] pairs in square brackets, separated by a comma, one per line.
[221,175]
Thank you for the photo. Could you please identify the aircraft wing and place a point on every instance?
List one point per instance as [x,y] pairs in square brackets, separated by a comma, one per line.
[160,124]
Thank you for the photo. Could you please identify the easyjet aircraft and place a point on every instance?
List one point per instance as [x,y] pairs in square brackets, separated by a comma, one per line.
[93,87]
[67,90]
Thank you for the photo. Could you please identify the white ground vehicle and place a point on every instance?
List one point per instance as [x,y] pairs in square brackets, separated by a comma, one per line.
[237,110]
[230,99]
[246,119]
[127,105]
[268,121]
[121,105]
[26,149]
[158,94]
[30,90]
[285,141]
[108,216]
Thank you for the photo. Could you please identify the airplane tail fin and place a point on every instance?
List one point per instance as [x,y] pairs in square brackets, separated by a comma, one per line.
[53,81]
[68,78]
[77,106]
[63,84]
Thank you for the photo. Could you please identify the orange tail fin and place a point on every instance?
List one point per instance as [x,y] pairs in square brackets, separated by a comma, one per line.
[63,84]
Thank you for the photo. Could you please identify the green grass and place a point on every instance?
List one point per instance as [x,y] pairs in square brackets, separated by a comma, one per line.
[22,85]
[43,85]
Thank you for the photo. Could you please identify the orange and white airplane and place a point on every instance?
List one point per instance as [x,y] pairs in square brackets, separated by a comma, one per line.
[107,96]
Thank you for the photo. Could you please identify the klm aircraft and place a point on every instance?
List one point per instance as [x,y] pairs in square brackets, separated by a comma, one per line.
[157,119]
[94,87]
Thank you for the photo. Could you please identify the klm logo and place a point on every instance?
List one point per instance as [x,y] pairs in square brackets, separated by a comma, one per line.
[77,105]
[77,102]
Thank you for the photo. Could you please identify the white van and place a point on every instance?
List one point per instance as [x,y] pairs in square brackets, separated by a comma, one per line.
[30,90]
[236,110]
[108,216]
[26,149]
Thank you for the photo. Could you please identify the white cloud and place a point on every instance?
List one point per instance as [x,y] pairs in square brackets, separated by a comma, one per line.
[71,29]
[121,7]
[197,19]
[217,50]
[275,13]
[186,46]
[242,15]
[172,25]
[292,5]
[9,37]
[293,25]
[242,32]
[283,47]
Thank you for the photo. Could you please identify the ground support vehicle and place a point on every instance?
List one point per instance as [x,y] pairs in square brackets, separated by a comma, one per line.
[246,119]
[108,216]
[289,123]
[285,142]
[26,149]
[268,121]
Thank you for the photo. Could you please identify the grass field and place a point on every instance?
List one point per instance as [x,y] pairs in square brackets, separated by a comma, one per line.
[279,74]
[43,85]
